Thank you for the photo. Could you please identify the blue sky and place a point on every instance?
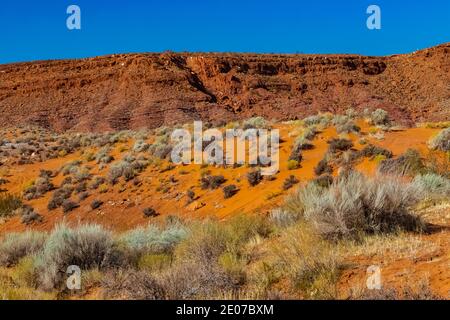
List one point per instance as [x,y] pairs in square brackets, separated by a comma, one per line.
[36,30]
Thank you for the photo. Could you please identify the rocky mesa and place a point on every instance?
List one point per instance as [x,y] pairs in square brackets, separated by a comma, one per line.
[129,91]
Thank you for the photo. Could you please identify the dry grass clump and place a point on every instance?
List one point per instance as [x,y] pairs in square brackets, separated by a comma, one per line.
[441,141]
[409,163]
[337,144]
[88,246]
[212,182]
[15,246]
[380,117]
[433,186]
[354,205]
[290,182]
[254,177]
[345,124]
[309,262]
[8,204]
[130,284]
[371,151]
[230,190]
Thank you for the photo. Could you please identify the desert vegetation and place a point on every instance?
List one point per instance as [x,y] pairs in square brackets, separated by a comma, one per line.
[139,227]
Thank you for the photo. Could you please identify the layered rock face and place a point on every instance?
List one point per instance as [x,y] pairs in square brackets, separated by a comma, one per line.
[149,90]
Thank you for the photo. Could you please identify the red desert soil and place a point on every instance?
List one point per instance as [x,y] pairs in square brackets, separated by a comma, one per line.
[123,210]
[149,90]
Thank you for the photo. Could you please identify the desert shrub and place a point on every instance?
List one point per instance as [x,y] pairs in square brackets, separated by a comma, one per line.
[83,196]
[97,182]
[441,141]
[190,194]
[87,246]
[309,262]
[320,119]
[229,191]
[302,143]
[80,187]
[293,164]
[150,212]
[103,156]
[160,150]
[70,167]
[8,204]
[152,262]
[372,151]
[81,174]
[194,280]
[354,205]
[323,168]
[254,177]
[309,133]
[200,268]
[379,117]
[95,204]
[323,181]
[119,169]
[68,205]
[283,218]
[59,196]
[140,146]
[18,245]
[154,240]
[335,145]
[409,163]
[38,188]
[290,182]
[351,113]
[296,155]
[348,127]
[46,174]
[432,185]
[132,285]
[255,123]
[28,215]
[211,182]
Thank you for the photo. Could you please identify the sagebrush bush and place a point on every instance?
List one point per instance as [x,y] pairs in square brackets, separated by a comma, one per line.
[150,212]
[379,117]
[372,151]
[212,182]
[293,165]
[308,261]
[87,246]
[354,205]
[254,177]
[283,218]
[255,123]
[229,191]
[323,167]
[337,144]
[441,141]
[433,186]
[8,204]
[409,163]
[152,239]
[290,182]
[131,285]
[15,246]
